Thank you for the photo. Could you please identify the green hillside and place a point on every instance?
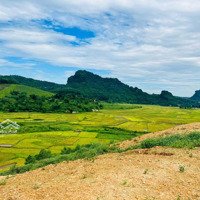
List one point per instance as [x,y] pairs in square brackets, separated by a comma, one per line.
[196,96]
[104,89]
[6,89]
[113,90]
[43,85]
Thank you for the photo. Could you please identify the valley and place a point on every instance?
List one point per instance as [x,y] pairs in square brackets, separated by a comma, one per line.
[99,100]
[115,123]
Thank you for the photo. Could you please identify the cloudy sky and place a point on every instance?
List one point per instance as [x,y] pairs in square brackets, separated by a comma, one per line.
[151,44]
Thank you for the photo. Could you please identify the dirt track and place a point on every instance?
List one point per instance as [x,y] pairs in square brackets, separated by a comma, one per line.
[140,174]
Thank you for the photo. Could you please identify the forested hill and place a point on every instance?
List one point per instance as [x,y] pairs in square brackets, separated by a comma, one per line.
[43,85]
[196,96]
[113,90]
[104,89]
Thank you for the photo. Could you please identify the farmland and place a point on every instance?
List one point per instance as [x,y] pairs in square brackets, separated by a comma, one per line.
[116,122]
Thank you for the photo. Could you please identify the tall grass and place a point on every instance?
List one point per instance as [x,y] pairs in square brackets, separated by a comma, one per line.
[191,140]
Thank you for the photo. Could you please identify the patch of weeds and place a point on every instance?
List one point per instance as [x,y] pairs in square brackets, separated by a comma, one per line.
[181,168]
[124,183]
[145,171]
[190,155]
[178,198]
[36,186]
[84,176]
[3,181]
[190,141]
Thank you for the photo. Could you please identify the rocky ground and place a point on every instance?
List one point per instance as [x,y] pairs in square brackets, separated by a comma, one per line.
[157,173]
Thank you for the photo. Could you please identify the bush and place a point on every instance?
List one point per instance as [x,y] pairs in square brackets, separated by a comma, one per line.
[30,159]
[66,150]
[181,168]
[178,141]
[43,154]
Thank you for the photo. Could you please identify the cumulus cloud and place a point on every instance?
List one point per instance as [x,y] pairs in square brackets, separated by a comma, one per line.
[150,44]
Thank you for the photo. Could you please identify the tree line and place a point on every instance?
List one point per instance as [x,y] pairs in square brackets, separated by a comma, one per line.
[61,102]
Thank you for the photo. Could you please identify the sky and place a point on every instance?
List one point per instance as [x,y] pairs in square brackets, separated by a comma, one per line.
[150,44]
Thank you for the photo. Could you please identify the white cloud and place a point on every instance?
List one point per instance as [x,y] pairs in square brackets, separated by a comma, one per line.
[153,44]
[14,35]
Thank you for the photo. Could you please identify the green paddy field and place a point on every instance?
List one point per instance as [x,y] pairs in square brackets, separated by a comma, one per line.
[116,122]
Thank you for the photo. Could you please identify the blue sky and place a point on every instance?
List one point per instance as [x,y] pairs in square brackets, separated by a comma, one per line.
[151,44]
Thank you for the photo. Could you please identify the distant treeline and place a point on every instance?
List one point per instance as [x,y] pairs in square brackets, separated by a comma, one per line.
[61,102]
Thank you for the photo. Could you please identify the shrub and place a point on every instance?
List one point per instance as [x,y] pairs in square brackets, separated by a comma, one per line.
[181,168]
[66,150]
[179,141]
[30,159]
[43,154]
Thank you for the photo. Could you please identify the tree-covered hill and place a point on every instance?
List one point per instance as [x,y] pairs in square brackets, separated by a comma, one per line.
[196,96]
[104,89]
[113,90]
[43,85]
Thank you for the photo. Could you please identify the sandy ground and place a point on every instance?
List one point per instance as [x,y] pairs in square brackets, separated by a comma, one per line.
[138,174]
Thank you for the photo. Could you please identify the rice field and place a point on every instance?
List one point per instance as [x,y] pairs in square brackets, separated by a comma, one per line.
[115,123]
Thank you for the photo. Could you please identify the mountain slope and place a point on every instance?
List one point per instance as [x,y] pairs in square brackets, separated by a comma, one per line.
[6,89]
[196,96]
[113,90]
[43,85]
[104,89]
[108,89]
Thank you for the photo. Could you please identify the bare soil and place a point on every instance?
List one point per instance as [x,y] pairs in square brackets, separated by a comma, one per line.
[157,173]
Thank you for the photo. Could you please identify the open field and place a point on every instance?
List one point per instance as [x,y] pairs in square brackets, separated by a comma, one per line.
[113,124]
[6,89]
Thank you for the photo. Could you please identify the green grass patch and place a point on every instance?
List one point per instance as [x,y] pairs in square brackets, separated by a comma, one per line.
[7,89]
[191,140]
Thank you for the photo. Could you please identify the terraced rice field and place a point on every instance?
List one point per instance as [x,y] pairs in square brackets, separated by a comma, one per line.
[114,123]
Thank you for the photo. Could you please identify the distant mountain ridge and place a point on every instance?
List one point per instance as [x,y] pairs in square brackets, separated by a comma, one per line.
[104,89]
